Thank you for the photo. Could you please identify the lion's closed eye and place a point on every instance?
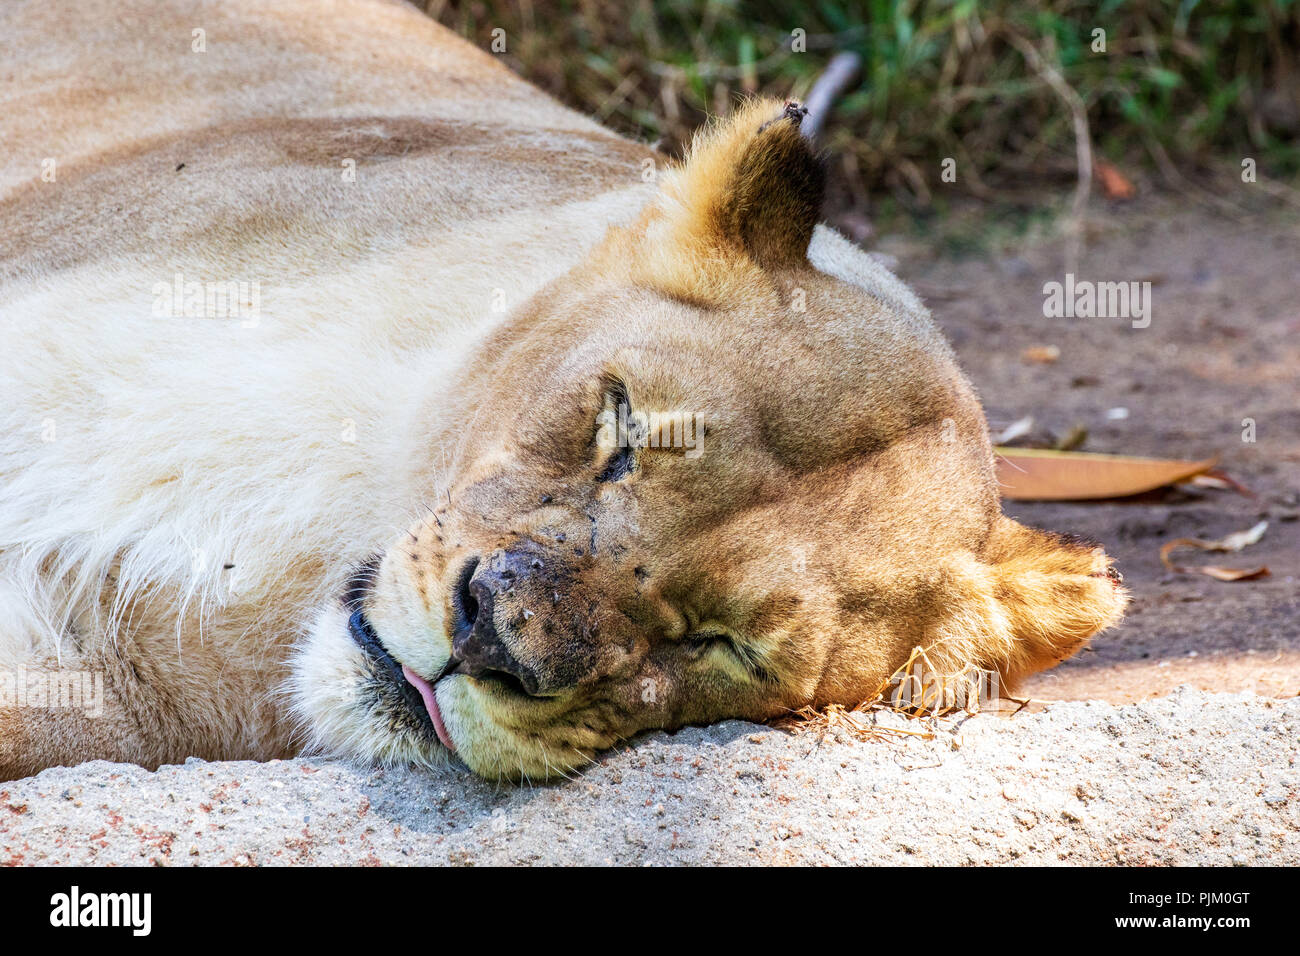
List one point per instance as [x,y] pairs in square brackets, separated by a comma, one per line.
[697,643]
[722,646]
[616,441]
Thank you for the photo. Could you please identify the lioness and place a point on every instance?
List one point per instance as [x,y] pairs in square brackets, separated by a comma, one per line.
[359,397]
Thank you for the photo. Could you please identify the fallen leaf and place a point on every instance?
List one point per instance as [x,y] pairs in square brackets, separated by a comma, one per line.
[1042,474]
[1041,354]
[1222,480]
[1016,429]
[1114,184]
[1229,543]
[1233,542]
[1239,539]
[1232,574]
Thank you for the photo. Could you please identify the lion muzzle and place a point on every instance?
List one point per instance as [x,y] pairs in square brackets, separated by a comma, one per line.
[521,623]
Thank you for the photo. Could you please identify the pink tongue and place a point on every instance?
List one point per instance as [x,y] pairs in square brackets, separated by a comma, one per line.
[430,704]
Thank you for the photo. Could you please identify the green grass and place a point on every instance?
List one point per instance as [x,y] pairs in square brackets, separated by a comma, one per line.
[1183,84]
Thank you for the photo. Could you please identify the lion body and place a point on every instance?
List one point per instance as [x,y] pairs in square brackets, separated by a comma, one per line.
[185,480]
[142,453]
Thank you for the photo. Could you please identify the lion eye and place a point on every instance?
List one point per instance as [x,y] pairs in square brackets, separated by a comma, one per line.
[698,642]
[620,466]
[613,434]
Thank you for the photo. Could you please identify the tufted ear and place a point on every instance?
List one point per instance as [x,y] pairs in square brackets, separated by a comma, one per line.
[756,184]
[748,195]
[1052,592]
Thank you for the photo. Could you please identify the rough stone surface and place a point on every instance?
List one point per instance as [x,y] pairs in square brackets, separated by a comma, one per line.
[1191,778]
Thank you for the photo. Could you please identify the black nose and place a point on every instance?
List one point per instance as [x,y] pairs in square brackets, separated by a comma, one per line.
[463,602]
[476,644]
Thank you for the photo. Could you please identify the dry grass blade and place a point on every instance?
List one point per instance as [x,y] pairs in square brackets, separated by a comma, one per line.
[917,689]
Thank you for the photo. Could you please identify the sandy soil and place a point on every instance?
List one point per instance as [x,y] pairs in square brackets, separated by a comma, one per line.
[1190,777]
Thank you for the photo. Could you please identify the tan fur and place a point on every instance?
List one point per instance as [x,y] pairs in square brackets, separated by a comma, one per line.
[424,387]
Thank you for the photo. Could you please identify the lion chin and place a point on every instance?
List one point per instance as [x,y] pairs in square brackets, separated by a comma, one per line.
[348,706]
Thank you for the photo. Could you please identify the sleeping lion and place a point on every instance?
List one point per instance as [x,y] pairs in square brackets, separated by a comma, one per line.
[358,398]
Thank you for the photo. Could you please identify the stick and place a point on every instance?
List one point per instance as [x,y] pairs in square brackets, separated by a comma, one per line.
[835,79]
[1082,139]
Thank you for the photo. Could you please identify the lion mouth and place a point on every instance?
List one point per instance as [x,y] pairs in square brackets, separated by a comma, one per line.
[417,693]
[430,698]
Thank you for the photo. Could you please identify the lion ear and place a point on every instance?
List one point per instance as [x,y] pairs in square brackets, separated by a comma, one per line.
[1053,592]
[749,192]
[1026,603]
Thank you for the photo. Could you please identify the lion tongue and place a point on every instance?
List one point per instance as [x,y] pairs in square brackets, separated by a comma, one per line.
[431,705]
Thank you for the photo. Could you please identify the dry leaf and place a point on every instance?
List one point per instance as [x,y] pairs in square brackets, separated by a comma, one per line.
[1233,542]
[1016,429]
[1238,539]
[1041,354]
[1041,474]
[1222,480]
[1114,183]
[1232,574]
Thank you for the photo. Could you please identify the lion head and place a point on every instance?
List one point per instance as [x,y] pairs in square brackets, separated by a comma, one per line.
[725,468]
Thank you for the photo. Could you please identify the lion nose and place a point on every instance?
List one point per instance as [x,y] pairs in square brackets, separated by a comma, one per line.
[477,645]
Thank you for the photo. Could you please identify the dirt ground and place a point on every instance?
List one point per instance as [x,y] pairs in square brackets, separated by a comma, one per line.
[1223,345]
[1191,778]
